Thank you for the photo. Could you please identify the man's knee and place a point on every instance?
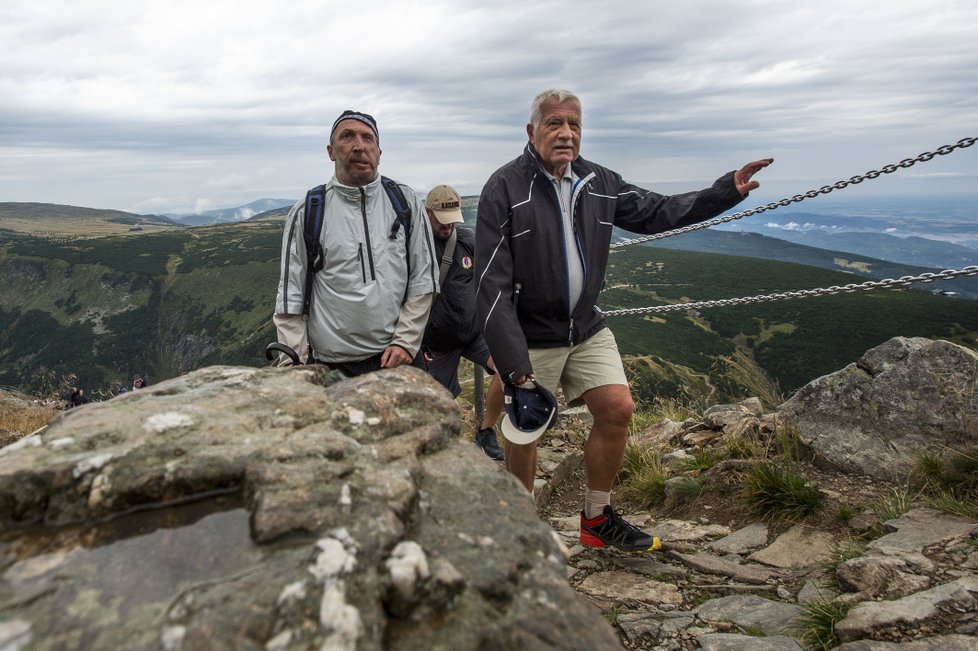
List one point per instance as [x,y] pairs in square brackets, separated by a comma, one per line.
[610,405]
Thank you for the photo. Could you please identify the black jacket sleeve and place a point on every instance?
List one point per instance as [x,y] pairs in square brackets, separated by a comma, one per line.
[496,295]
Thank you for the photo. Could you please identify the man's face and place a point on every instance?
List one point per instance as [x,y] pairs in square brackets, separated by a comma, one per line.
[441,231]
[557,137]
[356,152]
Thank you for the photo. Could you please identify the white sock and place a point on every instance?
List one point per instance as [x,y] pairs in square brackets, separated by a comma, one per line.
[594,503]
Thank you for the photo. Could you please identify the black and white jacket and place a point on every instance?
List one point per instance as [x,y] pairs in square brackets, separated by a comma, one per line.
[521,267]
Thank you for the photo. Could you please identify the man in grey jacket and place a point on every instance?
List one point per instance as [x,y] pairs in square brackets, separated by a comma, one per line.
[542,236]
[370,300]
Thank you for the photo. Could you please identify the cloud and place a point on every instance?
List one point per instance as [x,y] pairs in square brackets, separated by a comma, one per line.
[121,105]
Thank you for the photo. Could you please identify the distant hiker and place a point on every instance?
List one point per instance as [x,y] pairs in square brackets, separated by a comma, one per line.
[542,236]
[77,397]
[452,331]
[137,382]
[375,278]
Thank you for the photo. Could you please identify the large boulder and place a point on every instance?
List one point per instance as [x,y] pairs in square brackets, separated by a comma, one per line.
[876,416]
[275,509]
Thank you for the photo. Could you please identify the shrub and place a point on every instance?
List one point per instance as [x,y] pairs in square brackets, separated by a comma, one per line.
[774,492]
[642,476]
[815,625]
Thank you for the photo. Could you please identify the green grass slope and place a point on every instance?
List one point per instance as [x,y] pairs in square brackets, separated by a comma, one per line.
[160,304]
[765,349]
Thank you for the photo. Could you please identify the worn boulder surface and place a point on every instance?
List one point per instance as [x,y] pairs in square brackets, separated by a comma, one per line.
[241,508]
[903,398]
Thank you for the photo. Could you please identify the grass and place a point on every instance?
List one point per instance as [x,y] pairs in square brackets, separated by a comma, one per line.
[778,492]
[950,503]
[815,625]
[702,459]
[844,550]
[891,507]
[685,491]
[642,476]
[955,472]
[19,416]
[651,413]
[742,447]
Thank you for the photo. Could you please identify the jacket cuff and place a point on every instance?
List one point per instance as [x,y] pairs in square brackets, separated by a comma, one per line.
[411,323]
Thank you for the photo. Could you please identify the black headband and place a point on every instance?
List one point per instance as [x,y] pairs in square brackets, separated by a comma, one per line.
[356,115]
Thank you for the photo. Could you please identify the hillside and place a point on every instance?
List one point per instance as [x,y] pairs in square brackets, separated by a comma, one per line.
[163,303]
[754,245]
[158,304]
[55,220]
[729,352]
[237,214]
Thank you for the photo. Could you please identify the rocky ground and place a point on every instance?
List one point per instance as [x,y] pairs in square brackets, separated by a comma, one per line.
[725,580]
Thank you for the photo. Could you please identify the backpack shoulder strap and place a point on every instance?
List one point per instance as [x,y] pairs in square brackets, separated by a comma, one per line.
[403,211]
[401,207]
[312,227]
[447,257]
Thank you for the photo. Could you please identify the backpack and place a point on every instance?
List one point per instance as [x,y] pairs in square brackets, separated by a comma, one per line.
[312,227]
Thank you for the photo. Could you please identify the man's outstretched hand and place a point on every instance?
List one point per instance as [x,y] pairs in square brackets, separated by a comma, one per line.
[742,177]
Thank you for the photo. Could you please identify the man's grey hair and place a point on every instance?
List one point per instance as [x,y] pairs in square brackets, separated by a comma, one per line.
[536,112]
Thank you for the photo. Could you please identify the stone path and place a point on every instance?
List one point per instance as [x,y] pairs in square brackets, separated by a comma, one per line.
[744,587]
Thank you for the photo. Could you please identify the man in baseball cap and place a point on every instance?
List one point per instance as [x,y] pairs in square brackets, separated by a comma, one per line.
[452,332]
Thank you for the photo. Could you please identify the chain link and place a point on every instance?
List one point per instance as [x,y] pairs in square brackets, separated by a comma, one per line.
[870,285]
[811,194]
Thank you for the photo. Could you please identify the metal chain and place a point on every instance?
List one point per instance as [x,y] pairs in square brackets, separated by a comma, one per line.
[903,281]
[811,194]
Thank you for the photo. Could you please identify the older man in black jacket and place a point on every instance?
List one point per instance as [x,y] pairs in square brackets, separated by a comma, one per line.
[542,243]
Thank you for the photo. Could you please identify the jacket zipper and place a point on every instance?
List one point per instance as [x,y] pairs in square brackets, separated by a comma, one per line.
[580,252]
[366,234]
[363,271]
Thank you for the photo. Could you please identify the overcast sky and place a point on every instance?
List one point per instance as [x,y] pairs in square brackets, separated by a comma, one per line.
[173,106]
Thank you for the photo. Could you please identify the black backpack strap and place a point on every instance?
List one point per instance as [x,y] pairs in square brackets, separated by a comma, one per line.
[401,207]
[403,211]
[448,257]
[312,227]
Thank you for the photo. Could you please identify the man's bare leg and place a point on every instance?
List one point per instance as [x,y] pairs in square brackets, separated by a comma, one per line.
[611,408]
[521,461]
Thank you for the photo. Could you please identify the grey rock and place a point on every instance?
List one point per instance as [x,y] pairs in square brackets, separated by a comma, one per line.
[625,587]
[734,642]
[731,566]
[647,628]
[663,434]
[277,509]
[879,576]
[735,419]
[937,643]
[799,546]
[749,611]
[920,528]
[672,531]
[867,618]
[741,541]
[902,398]
[649,567]
[813,591]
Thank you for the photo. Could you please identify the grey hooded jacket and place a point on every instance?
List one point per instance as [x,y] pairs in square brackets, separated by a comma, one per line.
[363,300]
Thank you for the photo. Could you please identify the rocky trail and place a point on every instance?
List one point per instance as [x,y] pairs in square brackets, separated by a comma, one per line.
[727,581]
